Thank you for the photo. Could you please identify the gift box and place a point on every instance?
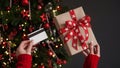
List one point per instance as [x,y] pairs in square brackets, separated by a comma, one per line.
[75,30]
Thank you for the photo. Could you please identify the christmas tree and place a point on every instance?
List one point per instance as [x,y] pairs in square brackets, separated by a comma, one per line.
[21,17]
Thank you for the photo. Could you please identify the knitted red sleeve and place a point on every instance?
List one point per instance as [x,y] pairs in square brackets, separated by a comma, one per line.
[91,61]
[24,61]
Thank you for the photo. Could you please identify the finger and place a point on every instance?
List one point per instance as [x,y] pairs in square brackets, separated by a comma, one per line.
[98,50]
[24,43]
[84,53]
[29,48]
[91,48]
[87,51]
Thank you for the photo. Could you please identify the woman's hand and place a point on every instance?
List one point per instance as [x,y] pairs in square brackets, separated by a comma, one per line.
[24,48]
[92,49]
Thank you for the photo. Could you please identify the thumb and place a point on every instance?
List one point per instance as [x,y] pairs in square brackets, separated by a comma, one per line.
[84,53]
[91,48]
[23,44]
[29,48]
[98,50]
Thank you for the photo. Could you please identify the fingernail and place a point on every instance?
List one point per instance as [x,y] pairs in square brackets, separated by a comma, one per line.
[31,40]
[91,42]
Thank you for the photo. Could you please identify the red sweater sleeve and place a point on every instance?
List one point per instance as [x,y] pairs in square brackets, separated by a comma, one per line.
[91,61]
[24,61]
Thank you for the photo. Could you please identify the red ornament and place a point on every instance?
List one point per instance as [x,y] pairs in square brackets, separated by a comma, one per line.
[50,63]
[20,27]
[13,55]
[4,44]
[46,26]
[25,2]
[6,27]
[64,62]
[15,1]
[24,37]
[39,7]
[57,0]
[40,2]
[1,57]
[41,66]
[59,61]
[58,7]
[8,8]
[43,44]
[43,17]
[3,66]
[31,28]
[12,34]
[50,53]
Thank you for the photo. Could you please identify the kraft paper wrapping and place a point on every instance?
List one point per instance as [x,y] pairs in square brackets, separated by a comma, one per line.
[60,22]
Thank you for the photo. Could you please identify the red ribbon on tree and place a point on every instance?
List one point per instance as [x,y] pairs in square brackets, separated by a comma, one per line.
[73,31]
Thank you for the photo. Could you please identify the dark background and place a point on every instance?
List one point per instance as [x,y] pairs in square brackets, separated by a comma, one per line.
[105,16]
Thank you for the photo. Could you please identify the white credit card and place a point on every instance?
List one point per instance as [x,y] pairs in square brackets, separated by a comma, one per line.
[38,36]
